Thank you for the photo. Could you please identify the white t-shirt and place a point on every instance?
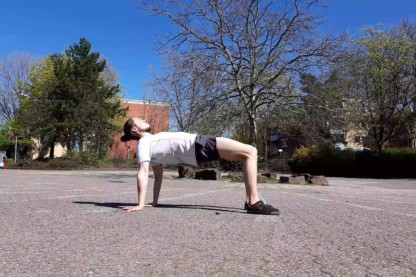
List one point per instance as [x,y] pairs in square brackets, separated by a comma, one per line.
[167,148]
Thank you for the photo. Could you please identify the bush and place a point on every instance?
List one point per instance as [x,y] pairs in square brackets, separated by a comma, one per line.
[123,163]
[87,158]
[45,164]
[74,160]
[59,163]
[326,160]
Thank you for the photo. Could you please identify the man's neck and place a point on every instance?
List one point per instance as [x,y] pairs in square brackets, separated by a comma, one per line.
[143,134]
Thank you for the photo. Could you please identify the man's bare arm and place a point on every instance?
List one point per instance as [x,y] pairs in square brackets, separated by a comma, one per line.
[158,172]
[142,179]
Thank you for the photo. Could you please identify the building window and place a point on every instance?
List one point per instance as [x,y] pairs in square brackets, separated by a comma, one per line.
[274,137]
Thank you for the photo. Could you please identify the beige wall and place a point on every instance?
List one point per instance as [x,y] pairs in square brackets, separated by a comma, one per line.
[352,133]
[59,150]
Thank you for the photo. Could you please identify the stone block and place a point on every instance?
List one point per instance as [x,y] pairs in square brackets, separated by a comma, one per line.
[297,180]
[261,179]
[307,177]
[275,176]
[284,179]
[319,181]
[208,174]
[267,174]
[186,172]
[238,178]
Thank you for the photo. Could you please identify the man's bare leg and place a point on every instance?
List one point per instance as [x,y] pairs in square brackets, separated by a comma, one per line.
[232,150]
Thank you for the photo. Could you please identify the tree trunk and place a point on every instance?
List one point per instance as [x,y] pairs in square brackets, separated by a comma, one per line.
[81,143]
[52,152]
[43,148]
[253,130]
[266,145]
[379,148]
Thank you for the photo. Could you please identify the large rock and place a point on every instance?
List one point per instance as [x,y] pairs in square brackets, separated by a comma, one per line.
[261,178]
[238,178]
[267,174]
[319,181]
[293,179]
[297,180]
[306,175]
[208,174]
[303,179]
[284,179]
[186,172]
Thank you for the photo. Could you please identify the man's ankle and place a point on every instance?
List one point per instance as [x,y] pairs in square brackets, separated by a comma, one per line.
[251,202]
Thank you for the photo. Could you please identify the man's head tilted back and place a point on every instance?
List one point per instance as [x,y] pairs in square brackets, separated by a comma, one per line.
[133,127]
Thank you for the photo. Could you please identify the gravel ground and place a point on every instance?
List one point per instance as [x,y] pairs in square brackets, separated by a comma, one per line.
[70,223]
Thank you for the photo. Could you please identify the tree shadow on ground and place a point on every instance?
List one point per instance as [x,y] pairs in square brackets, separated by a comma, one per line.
[118,205]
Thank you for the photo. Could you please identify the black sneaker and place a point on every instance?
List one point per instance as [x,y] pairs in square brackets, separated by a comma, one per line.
[245,206]
[260,208]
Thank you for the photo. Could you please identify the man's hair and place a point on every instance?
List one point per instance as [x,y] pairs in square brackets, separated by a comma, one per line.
[127,130]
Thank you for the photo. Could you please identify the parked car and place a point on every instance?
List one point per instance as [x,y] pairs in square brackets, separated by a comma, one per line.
[340,146]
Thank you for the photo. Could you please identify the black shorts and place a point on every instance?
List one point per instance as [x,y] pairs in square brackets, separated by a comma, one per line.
[206,149]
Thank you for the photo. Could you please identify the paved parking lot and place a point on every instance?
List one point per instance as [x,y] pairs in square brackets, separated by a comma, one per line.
[70,223]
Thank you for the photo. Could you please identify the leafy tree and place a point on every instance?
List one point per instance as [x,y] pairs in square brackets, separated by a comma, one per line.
[10,132]
[407,30]
[38,110]
[6,142]
[382,84]
[73,100]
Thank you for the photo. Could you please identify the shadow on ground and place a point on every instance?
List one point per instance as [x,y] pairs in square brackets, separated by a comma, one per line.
[117,205]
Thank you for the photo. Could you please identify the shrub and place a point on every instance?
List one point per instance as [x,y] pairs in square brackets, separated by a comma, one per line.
[87,158]
[59,163]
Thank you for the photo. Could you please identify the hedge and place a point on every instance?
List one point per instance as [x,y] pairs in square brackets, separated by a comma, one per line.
[324,159]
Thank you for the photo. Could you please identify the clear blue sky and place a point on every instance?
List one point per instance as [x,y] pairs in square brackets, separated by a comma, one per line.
[125,35]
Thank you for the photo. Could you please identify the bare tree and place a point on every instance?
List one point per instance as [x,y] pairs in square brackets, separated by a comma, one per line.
[193,95]
[14,70]
[254,45]
[320,113]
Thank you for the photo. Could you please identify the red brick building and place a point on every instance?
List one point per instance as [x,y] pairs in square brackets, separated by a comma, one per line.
[155,113]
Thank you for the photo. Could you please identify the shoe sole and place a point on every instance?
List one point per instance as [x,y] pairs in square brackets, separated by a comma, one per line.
[272,213]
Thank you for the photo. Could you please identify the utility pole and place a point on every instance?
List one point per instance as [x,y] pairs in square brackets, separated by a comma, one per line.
[15,150]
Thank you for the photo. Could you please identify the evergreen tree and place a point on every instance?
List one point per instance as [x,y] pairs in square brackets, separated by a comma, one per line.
[73,101]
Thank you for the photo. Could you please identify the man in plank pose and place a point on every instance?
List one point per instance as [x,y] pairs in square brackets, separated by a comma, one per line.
[179,147]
